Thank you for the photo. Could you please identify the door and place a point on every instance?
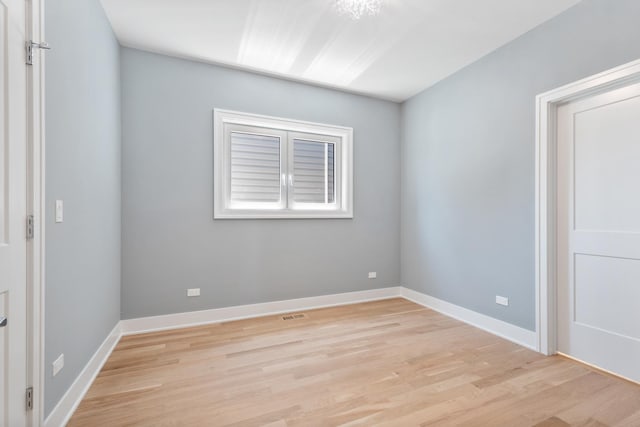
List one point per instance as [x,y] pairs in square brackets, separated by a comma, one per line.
[599,230]
[13,191]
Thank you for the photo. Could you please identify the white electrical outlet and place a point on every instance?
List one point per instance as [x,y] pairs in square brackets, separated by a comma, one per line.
[373,275]
[194,292]
[59,211]
[58,364]
[502,300]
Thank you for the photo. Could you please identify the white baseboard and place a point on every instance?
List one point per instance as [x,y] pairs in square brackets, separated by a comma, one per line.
[65,408]
[497,327]
[226,314]
[516,334]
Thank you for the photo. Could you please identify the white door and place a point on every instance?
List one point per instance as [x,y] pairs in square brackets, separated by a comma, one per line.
[599,230]
[13,190]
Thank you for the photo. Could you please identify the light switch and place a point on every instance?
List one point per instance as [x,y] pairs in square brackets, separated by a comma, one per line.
[59,211]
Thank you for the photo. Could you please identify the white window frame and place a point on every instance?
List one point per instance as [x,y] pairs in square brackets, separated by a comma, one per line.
[226,120]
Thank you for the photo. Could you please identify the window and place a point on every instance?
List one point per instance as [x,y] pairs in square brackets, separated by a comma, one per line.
[266,167]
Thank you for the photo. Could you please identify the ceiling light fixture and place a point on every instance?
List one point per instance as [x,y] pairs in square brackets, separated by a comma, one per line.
[356,9]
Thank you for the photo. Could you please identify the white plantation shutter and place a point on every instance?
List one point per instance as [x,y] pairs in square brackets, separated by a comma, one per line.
[255,168]
[268,167]
[313,171]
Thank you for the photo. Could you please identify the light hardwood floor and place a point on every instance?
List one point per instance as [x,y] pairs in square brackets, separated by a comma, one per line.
[388,363]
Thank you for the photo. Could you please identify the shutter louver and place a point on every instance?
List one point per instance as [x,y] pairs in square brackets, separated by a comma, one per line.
[314,171]
[255,168]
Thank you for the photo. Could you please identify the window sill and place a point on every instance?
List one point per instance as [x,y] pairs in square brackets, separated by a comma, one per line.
[283,215]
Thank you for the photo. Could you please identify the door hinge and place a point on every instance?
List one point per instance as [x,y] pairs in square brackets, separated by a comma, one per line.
[30,227]
[29,398]
[33,45]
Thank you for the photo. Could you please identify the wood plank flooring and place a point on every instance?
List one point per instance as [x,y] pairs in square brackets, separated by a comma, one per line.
[384,363]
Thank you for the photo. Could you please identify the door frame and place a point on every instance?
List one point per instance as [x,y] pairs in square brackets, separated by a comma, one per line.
[36,207]
[545,190]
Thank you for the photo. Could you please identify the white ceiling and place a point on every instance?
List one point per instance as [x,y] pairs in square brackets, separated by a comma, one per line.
[410,46]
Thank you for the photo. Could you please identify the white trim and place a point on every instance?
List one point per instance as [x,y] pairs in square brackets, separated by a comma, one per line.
[545,222]
[222,205]
[516,334]
[227,314]
[273,122]
[61,414]
[497,327]
[35,206]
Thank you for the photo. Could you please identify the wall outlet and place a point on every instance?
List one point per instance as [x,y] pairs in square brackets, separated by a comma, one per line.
[58,364]
[59,211]
[502,300]
[193,292]
[373,275]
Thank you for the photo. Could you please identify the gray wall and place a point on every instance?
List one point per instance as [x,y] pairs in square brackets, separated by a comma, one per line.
[83,169]
[170,241]
[468,159]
